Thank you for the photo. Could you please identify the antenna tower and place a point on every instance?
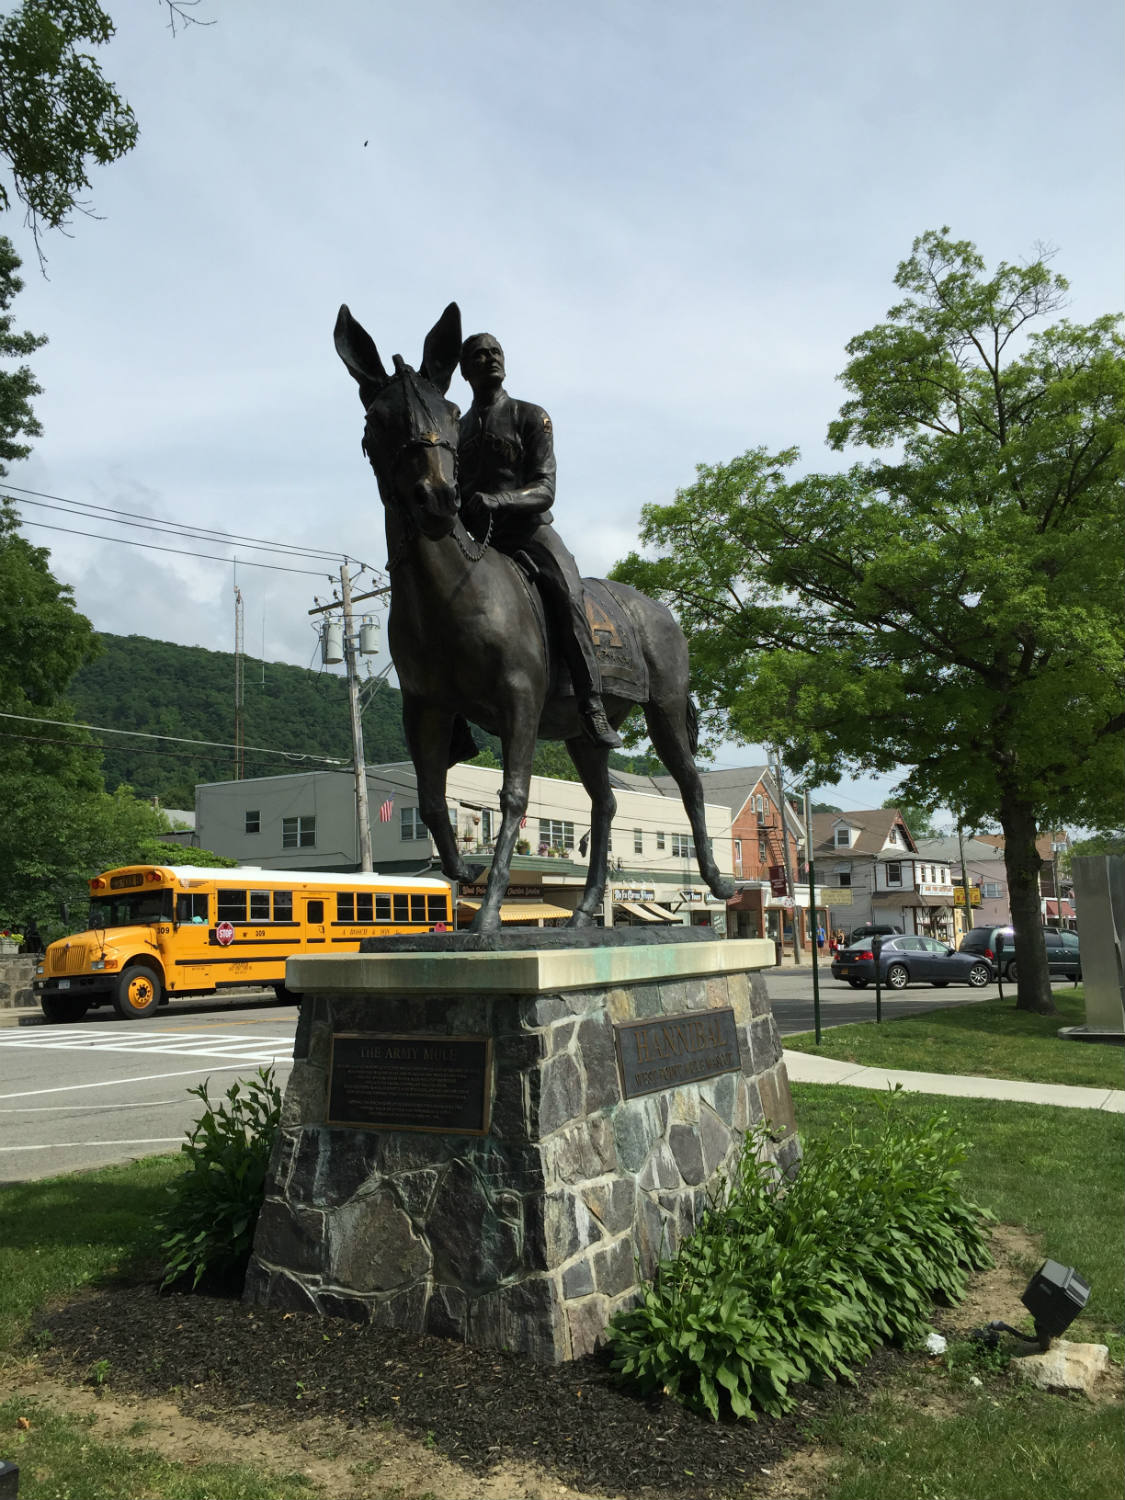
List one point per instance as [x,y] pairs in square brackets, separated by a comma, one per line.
[239,686]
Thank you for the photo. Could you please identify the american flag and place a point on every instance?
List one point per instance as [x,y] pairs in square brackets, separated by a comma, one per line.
[386,809]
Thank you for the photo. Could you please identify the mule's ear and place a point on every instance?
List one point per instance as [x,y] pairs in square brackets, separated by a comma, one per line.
[442,349]
[356,348]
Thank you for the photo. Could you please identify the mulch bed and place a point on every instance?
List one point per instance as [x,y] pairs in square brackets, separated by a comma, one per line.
[479,1407]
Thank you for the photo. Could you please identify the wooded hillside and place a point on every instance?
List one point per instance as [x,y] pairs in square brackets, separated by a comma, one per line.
[159,688]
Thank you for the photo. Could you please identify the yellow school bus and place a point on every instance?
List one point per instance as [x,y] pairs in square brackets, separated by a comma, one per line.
[157,931]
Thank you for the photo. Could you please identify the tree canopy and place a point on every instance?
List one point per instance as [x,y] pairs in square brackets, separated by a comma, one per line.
[951,605]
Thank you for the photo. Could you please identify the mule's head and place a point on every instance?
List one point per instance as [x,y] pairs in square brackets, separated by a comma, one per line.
[410,435]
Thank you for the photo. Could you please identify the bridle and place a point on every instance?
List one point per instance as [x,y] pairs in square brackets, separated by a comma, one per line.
[414,397]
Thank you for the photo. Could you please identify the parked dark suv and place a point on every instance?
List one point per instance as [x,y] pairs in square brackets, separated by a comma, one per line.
[1063,956]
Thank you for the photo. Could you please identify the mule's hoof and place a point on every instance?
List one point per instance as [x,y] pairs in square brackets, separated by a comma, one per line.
[470,874]
[581,919]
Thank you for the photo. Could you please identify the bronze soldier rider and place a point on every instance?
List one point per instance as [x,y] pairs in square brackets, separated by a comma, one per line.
[507,469]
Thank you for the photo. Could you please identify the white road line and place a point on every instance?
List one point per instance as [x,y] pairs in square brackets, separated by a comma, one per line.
[88,1109]
[156,1140]
[111,1083]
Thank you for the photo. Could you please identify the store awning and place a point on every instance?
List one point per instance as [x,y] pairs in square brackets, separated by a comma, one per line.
[528,912]
[1068,908]
[659,913]
[636,909]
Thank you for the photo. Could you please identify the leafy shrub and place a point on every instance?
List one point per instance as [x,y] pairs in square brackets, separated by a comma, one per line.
[788,1281]
[208,1229]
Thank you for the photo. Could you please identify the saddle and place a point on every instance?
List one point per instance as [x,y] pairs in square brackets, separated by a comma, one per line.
[621,663]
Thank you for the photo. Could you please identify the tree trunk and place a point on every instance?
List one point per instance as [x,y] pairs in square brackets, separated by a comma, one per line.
[1022,863]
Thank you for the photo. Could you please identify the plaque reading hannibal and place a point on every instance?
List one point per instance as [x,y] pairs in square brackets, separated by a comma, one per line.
[432,1083]
[672,1050]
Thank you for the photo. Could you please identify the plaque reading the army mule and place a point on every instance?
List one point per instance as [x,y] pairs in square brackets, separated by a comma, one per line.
[671,1050]
[434,1083]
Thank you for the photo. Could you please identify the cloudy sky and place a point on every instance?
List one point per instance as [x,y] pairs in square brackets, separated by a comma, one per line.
[673,218]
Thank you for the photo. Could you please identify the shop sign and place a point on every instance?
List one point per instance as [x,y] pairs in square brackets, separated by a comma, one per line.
[634,893]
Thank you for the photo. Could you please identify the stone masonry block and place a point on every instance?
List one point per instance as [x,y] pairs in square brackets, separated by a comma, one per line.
[599,1059]
[373,1246]
[560,1093]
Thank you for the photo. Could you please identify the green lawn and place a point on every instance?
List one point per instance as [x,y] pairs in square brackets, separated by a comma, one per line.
[934,1434]
[989,1039]
[929,1434]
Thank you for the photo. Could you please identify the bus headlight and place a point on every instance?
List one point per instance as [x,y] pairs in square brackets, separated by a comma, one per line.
[98,963]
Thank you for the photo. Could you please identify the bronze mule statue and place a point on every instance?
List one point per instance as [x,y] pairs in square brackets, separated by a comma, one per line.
[469,641]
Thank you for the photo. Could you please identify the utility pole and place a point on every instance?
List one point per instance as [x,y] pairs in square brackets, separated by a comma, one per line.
[351,651]
[965,877]
[813,923]
[792,889]
[239,687]
[363,817]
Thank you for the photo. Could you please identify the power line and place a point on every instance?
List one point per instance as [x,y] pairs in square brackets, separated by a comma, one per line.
[180,739]
[156,523]
[177,551]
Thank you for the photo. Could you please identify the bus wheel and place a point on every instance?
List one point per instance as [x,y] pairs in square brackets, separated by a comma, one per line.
[138,992]
[64,1008]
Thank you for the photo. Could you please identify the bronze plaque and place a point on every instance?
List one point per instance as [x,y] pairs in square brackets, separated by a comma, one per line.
[671,1050]
[441,1084]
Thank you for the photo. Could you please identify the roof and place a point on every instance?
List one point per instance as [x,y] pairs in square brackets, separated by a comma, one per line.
[948,850]
[874,825]
[255,875]
[1042,843]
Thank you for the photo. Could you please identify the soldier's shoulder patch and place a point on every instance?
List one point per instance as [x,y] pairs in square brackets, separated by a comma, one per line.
[546,422]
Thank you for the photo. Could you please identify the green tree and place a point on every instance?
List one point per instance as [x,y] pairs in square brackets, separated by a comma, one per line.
[954,606]
[59,115]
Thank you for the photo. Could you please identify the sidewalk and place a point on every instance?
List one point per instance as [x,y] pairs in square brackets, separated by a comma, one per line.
[803,1067]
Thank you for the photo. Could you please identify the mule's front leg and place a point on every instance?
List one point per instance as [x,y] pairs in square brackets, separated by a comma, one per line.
[428,732]
[518,743]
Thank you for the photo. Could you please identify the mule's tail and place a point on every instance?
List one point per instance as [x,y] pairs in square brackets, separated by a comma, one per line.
[692,725]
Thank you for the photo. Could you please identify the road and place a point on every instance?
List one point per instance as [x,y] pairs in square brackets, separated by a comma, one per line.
[108,1090]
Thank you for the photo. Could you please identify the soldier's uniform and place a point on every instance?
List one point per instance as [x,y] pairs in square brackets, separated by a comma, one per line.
[507,450]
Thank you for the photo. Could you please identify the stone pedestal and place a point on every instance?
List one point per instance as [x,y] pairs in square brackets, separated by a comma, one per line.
[591,1161]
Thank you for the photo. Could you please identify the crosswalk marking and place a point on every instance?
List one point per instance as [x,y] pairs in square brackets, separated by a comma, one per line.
[231,1047]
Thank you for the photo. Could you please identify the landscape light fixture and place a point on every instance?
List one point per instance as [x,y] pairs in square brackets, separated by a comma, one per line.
[1054,1297]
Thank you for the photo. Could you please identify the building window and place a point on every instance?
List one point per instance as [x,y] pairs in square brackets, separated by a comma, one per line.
[738,854]
[410,824]
[894,873]
[990,890]
[253,821]
[638,841]
[487,831]
[681,845]
[763,849]
[760,805]
[298,833]
[844,879]
[556,833]
[660,842]
[843,838]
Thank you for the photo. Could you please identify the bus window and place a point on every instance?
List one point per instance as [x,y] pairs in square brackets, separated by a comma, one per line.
[192,908]
[345,906]
[436,909]
[401,907]
[417,908]
[259,906]
[232,906]
[283,906]
[316,911]
[363,907]
[382,908]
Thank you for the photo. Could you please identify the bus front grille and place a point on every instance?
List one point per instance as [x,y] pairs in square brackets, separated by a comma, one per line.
[70,958]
